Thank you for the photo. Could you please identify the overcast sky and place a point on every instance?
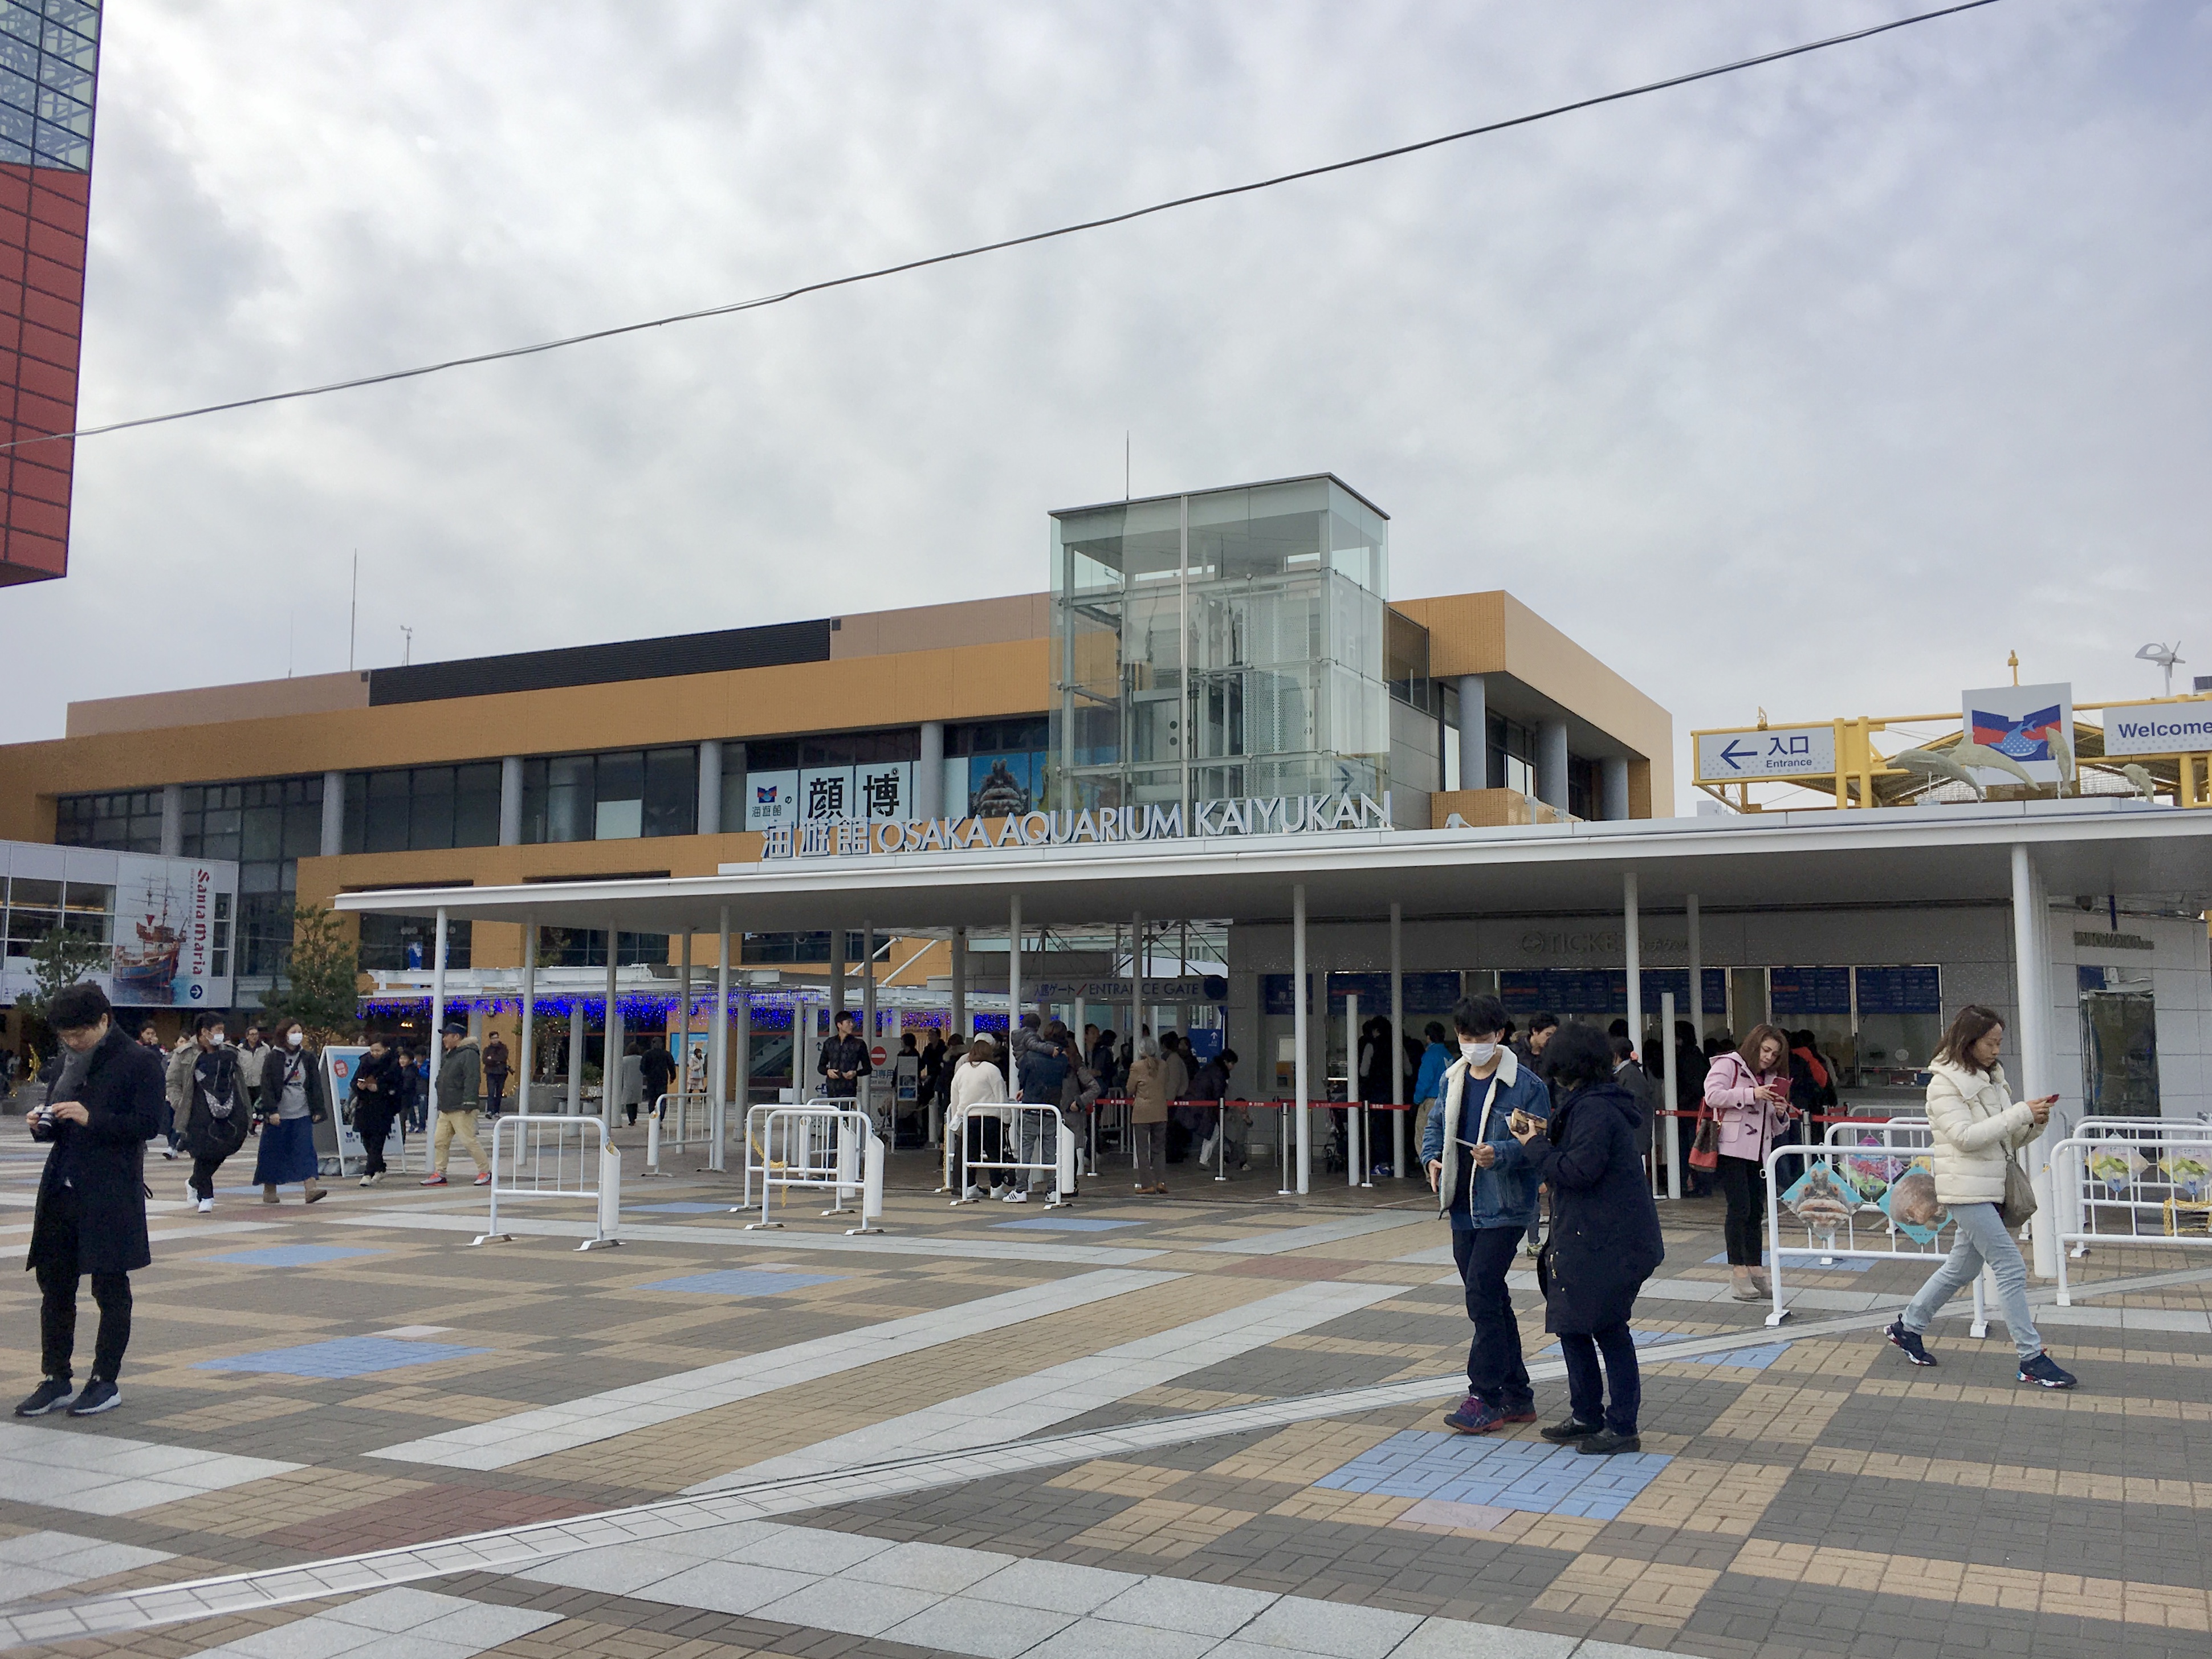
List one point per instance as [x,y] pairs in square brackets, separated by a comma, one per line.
[1818,387]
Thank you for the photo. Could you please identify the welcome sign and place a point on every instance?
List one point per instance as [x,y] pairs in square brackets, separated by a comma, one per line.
[2158,728]
[1287,815]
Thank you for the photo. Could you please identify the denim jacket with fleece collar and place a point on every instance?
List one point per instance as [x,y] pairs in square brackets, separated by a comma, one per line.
[1504,1194]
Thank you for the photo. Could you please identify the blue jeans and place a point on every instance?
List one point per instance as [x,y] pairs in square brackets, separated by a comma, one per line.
[1586,1389]
[1981,1238]
[1495,1374]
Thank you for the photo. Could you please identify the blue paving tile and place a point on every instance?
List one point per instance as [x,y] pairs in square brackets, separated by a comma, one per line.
[1054,1224]
[1807,1262]
[742,1281]
[291,1256]
[682,1206]
[343,1357]
[1514,1474]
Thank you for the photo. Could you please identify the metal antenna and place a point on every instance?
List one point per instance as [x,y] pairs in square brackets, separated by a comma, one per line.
[407,652]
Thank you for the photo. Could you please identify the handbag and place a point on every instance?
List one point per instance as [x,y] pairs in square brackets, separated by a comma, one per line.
[2019,1197]
[1705,1145]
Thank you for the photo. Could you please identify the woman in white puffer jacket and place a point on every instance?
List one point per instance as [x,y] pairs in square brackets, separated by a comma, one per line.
[978,1086]
[1977,1129]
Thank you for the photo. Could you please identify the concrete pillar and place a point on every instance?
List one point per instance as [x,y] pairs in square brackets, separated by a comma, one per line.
[1613,772]
[1473,732]
[836,974]
[960,1022]
[437,1011]
[510,801]
[929,772]
[333,842]
[1552,763]
[527,1054]
[683,1021]
[719,1056]
[1013,973]
[2038,1075]
[172,821]
[710,788]
[1697,979]
[611,1037]
[576,1057]
[1399,1164]
[1632,931]
[1301,1091]
[868,1033]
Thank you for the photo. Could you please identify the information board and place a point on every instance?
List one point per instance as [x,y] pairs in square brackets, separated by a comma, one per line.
[1911,990]
[1799,991]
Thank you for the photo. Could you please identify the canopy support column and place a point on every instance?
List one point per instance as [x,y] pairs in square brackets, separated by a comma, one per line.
[1298,1000]
[1399,1167]
[2031,946]
[529,1044]
[719,1057]
[437,1010]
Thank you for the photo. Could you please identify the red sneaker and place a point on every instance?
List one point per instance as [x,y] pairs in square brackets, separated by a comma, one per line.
[435,1180]
[484,1178]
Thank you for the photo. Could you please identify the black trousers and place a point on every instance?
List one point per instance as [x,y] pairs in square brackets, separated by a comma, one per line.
[202,1177]
[58,1281]
[373,1124]
[1496,1373]
[1743,1184]
[987,1143]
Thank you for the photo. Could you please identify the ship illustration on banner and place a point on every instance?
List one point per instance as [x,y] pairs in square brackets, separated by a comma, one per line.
[2022,723]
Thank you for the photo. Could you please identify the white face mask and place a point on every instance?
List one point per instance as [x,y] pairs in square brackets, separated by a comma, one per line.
[214,1039]
[293,1039]
[1478,1053]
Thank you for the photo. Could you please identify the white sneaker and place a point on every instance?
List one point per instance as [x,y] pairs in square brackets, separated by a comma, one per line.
[207,1206]
[971,1195]
[1017,1196]
[1206,1152]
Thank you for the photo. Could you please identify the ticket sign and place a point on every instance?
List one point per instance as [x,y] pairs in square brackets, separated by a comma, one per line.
[1783,751]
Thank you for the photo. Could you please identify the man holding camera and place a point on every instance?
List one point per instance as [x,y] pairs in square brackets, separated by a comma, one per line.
[102,1107]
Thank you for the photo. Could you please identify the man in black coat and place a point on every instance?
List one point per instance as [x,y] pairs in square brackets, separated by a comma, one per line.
[844,1059]
[380,1090]
[102,1107]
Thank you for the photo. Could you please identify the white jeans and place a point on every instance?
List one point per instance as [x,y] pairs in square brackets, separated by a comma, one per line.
[1981,1237]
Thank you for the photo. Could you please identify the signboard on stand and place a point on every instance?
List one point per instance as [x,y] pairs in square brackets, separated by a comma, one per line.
[2019,722]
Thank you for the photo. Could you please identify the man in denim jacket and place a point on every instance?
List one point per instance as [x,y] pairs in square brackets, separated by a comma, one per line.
[1481,1177]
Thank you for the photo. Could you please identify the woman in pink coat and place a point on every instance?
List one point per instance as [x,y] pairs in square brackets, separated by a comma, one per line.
[1747,1091]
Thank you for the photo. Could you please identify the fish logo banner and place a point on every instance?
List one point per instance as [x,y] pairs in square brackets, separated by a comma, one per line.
[2019,722]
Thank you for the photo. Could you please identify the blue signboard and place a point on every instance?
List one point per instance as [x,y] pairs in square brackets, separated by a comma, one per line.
[1565,991]
[1426,993]
[1799,991]
[1912,990]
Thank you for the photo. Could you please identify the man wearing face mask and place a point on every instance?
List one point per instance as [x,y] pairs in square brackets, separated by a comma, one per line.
[1481,1174]
[218,1109]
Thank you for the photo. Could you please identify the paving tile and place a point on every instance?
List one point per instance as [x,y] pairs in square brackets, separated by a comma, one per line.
[341,1356]
[726,1586]
[926,1567]
[1336,1628]
[742,1281]
[848,1607]
[1186,1605]
[1055,1586]
[289,1255]
[1099,1638]
[989,1630]
[1453,1638]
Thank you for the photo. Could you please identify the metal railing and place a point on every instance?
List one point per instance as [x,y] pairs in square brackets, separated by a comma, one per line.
[1023,1129]
[541,1155]
[690,1123]
[2112,1186]
[1848,1205]
[822,1145]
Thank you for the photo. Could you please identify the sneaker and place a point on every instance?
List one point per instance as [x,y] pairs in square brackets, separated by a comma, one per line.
[1915,1349]
[1526,1414]
[99,1395]
[971,1195]
[169,1152]
[1474,1415]
[2045,1371]
[1561,1434]
[47,1396]
[435,1180]
[1606,1443]
[483,1179]
[1017,1196]
[1532,1249]
[367,1180]
[206,1206]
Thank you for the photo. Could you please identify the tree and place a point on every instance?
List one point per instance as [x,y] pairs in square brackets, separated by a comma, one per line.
[321,983]
[58,961]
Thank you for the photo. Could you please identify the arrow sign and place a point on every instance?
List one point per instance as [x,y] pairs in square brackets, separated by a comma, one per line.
[1781,751]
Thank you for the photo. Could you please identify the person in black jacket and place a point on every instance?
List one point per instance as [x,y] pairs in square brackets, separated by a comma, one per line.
[844,1060]
[1604,1241]
[217,1109]
[657,1071]
[101,1108]
[380,1090]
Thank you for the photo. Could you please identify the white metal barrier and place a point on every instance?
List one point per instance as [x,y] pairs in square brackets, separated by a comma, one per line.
[668,1130]
[1024,1127]
[543,1156]
[823,1144]
[2112,1185]
[1849,1205]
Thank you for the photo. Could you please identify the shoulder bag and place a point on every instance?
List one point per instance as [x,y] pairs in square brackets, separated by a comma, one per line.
[2018,1196]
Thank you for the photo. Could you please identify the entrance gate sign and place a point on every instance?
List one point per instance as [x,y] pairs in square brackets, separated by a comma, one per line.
[1781,752]
[2158,728]
[1287,815]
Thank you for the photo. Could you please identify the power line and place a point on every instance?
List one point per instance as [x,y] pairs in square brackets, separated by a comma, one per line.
[1077,228]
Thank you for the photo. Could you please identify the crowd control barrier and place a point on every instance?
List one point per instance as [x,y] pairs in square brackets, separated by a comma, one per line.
[1025,1127]
[2150,1184]
[1840,1209]
[827,1146]
[545,1156]
[677,1121]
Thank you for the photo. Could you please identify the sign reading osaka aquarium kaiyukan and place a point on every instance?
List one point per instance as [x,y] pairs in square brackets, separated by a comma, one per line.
[1105,825]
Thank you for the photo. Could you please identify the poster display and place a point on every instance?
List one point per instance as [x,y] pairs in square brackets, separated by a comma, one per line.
[2019,721]
[771,799]
[170,922]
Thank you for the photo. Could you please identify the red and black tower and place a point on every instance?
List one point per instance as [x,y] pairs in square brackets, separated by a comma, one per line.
[49,66]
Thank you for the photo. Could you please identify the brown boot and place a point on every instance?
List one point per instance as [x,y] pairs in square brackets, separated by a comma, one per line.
[316,1194]
[268,1194]
[1761,1282]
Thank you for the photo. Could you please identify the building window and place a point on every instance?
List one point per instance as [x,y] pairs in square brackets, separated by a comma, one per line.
[995,768]
[808,947]
[582,947]
[52,48]
[1585,790]
[1512,756]
[128,821]
[393,944]
[35,908]
[618,796]
[422,808]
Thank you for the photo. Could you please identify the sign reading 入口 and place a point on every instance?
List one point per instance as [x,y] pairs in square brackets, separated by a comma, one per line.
[2158,728]
[1783,751]
[1104,825]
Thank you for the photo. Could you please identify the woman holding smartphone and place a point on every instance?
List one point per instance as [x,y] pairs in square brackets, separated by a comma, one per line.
[1747,1091]
[1977,1129]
